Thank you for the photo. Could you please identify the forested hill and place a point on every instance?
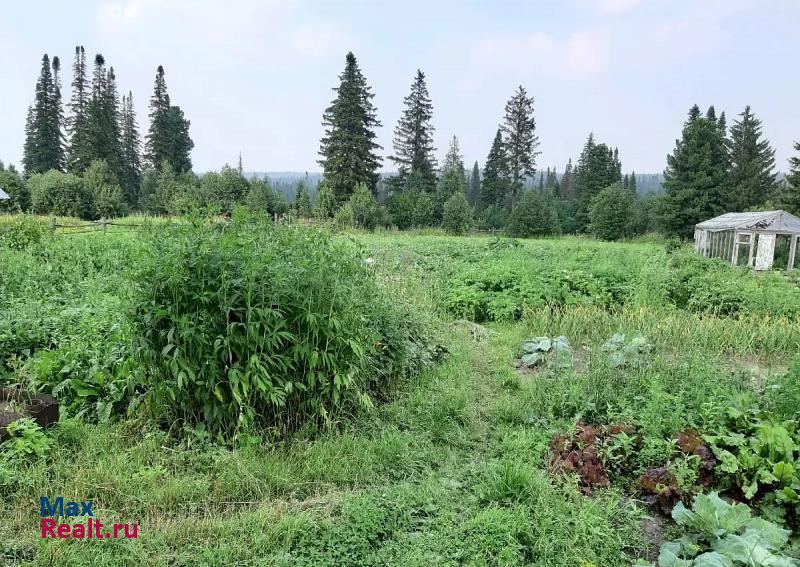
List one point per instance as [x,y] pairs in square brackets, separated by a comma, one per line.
[286,181]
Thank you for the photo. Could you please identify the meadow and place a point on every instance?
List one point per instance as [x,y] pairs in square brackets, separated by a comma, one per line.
[258,395]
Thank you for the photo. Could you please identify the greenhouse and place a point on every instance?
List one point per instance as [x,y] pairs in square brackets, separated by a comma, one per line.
[760,240]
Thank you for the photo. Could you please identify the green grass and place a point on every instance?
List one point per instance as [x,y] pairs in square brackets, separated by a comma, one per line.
[450,470]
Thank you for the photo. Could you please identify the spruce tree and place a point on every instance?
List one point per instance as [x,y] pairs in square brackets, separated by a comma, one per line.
[181,144]
[519,127]
[157,141]
[568,190]
[43,149]
[348,145]
[474,189]
[598,167]
[103,116]
[551,182]
[495,183]
[168,137]
[696,177]
[79,150]
[131,151]
[29,150]
[752,164]
[413,138]
[632,183]
[453,159]
[302,201]
[790,196]
[56,117]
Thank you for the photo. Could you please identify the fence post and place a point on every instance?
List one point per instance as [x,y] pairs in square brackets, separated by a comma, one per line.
[52,226]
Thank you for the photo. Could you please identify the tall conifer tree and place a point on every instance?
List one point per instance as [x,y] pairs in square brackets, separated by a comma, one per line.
[495,183]
[598,168]
[79,150]
[103,117]
[131,151]
[790,195]
[752,164]
[519,127]
[696,177]
[474,189]
[413,138]
[568,190]
[43,149]
[168,137]
[348,145]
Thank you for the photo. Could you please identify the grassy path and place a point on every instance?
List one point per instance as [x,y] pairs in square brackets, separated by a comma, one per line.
[440,476]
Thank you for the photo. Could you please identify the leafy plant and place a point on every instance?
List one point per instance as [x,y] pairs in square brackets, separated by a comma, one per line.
[758,460]
[23,231]
[719,534]
[557,353]
[249,324]
[622,350]
[25,439]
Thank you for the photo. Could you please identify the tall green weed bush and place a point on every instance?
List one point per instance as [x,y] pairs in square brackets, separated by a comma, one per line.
[246,323]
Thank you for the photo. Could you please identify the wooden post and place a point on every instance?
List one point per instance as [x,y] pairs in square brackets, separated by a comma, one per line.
[792,253]
[735,251]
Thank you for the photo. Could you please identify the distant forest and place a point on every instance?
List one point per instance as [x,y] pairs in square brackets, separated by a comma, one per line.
[286,182]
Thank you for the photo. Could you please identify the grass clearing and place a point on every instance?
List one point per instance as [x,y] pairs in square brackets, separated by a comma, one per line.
[451,467]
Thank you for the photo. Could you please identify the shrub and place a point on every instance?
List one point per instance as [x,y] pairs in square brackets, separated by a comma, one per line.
[457,215]
[14,186]
[253,324]
[61,194]
[25,440]
[325,203]
[401,206]
[534,215]
[21,232]
[302,201]
[102,185]
[611,213]
[221,191]
[424,210]
[363,205]
[492,217]
[344,217]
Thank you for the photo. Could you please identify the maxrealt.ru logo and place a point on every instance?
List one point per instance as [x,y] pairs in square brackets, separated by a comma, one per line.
[90,529]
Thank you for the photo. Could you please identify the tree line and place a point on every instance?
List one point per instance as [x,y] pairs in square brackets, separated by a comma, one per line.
[89,163]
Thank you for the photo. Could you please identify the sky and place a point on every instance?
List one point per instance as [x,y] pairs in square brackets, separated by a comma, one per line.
[254,76]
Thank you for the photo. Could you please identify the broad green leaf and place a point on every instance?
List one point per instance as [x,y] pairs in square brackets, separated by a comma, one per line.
[712,559]
[750,548]
[775,536]
[532,359]
[783,472]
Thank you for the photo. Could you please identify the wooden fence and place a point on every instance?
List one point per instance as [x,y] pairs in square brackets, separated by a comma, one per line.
[100,225]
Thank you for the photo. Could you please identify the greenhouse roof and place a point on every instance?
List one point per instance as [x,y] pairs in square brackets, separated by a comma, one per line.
[771,221]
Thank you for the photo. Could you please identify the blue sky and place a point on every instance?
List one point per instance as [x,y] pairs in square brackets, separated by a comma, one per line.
[255,75]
